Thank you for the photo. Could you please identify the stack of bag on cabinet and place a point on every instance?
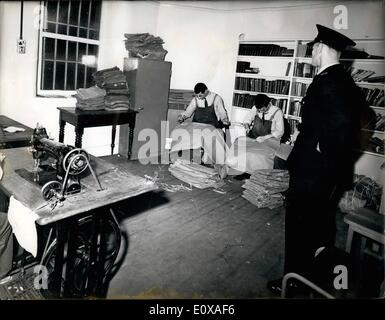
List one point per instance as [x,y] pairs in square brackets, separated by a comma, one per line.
[145,45]
[264,188]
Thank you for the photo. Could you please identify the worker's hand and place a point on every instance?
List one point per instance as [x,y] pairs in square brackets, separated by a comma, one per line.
[226,123]
[247,127]
[181,118]
[261,139]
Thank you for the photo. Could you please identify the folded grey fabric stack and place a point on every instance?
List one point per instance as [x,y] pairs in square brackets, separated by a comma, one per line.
[114,82]
[144,45]
[264,188]
[196,175]
[117,102]
[90,98]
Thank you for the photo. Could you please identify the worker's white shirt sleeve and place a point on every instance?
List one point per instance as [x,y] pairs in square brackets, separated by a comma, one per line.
[277,125]
[220,110]
[190,109]
[250,115]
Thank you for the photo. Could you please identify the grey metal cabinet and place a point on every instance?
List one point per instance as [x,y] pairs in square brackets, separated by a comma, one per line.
[149,85]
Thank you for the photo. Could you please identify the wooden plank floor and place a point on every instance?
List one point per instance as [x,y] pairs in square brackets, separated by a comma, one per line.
[195,244]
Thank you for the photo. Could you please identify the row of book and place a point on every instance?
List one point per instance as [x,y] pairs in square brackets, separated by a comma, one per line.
[378,123]
[303,50]
[293,123]
[262,49]
[262,85]
[299,89]
[374,97]
[245,100]
[295,108]
[303,69]
[244,67]
[376,145]
[360,74]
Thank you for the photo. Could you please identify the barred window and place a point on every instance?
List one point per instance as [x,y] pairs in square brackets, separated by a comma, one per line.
[68,46]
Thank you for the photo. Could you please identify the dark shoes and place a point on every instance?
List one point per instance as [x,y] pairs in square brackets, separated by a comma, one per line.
[293,288]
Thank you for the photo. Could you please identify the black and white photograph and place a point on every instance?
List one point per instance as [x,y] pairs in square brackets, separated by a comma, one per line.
[192,154]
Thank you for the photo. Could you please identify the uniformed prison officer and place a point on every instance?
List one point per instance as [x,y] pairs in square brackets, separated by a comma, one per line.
[321,162]
[207,107]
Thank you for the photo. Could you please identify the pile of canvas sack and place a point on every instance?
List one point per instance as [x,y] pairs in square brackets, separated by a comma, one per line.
[196,175]
[264,188]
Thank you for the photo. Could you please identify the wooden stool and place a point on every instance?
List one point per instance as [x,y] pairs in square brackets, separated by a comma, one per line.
[368,224]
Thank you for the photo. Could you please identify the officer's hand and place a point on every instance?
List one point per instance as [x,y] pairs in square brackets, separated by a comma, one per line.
[181,118]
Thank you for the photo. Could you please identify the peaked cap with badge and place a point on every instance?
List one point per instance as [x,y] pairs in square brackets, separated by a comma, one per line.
[332,38]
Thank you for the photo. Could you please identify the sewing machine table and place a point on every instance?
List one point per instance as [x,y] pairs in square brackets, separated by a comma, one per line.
[118,185]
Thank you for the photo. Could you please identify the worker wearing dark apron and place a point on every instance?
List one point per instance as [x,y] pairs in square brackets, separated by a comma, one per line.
[207,115]
[261,127]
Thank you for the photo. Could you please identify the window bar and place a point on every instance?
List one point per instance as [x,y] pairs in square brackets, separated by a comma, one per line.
[54,66]
[42,65]
[76,65]
[57,17]
[77,47]
[87,46]
[66,54]
[55,47]
[89,20]
[68,18]
[85,68]
[79,11]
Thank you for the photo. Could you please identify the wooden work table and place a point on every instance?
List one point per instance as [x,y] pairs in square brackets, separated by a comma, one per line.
[97,118]
[13,139]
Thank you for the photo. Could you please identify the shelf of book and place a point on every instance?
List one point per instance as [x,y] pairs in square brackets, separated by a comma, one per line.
[372,153]
[308,59]
[289,116]
[375,84]
[260,76]
[259,63]
[377,108]
[374,131]
[243,57]
[306,79]
[267,93]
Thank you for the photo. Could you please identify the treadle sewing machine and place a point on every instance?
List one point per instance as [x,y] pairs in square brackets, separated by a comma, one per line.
[58,166]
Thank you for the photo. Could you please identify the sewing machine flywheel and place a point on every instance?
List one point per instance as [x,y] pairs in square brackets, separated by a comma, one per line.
[51,189]
[76,161]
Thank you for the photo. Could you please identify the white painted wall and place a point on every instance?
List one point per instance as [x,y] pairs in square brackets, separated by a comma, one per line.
[203,42]
[18,98]
[201,39]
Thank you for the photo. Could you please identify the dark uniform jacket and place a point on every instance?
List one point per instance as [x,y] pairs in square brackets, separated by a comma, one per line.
[330,118]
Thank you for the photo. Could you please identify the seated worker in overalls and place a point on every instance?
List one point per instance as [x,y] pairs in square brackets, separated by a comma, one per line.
[207,107]
[204,132]
[264,126]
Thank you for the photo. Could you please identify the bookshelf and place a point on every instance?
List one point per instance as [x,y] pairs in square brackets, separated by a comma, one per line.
[282,69]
